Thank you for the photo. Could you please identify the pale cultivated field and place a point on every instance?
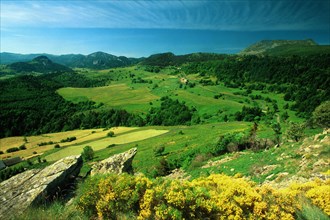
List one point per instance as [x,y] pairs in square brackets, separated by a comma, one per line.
[104,142]
[82,136]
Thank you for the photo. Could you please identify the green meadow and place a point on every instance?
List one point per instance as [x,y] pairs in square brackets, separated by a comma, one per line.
[122,93]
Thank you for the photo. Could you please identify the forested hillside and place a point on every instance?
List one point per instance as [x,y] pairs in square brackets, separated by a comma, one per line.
[30,105]
[303,79]
[40,64]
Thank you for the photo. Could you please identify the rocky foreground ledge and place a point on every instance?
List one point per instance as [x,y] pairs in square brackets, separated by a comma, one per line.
[35,186]
[118,164]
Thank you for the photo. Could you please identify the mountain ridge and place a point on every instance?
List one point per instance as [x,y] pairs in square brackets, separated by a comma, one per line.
[96,60]
[285,48]
[40,64]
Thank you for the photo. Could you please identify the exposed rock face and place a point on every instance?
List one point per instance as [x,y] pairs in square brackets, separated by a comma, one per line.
[34,186]
[118,163]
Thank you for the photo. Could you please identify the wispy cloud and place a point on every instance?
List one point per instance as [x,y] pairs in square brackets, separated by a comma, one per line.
[205,15]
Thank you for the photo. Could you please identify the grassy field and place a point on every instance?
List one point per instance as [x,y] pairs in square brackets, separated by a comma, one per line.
[116,96]
[31,142]
[140,97]
[178,141]
[103,142]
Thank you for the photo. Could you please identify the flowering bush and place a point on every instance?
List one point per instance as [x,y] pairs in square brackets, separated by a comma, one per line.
[215,197]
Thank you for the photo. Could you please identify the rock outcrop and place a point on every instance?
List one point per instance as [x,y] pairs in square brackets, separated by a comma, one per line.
[34,186]
[117,164]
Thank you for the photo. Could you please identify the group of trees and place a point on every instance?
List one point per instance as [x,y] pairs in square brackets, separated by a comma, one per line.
[171,112]
[249,114]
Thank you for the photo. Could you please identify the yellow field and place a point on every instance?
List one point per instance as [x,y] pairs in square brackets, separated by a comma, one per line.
[104,142]
[32,144]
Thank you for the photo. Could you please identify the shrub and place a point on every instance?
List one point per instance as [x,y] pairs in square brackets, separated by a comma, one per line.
[88,153]
[45,143]
[321,115]
[213,197]
[22,147]
[13,149]
[295,131]
[158,151]
[111,134]
[68,139]
[57,146]
[1,152]
[229,143]
[162,169]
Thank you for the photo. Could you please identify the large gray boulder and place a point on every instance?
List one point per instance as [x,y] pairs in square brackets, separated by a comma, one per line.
[117,164]
[34,186]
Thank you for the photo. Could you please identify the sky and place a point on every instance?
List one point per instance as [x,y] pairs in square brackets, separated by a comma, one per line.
[142,28]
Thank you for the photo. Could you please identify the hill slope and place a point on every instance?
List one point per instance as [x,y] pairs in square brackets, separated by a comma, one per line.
[285,48]
[40,64]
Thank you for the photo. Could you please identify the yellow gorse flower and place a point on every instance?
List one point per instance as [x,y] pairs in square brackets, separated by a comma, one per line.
[217,197]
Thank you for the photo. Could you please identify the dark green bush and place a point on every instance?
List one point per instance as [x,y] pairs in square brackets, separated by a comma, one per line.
[22,147]
[68,139]
[158,151]
[13,149]
[111,134]
[88,153]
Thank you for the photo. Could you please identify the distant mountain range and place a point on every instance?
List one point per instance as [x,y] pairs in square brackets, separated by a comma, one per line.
[98,60]
[101,60]
[40,64]
[285,48]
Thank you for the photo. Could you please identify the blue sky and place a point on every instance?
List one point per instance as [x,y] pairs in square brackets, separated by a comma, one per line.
[142,28]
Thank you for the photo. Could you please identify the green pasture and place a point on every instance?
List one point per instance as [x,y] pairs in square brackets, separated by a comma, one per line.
[177,142]
[140,97]
[116,96]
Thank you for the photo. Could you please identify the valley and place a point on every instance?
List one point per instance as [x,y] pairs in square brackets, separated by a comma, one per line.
[198,117]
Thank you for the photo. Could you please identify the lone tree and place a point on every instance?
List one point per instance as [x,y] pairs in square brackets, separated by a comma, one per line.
[88,153]
[321,115]
[295,131]
[277,132]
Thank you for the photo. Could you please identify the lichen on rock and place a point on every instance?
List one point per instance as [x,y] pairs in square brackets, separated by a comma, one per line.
[34,186]
[117,164]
